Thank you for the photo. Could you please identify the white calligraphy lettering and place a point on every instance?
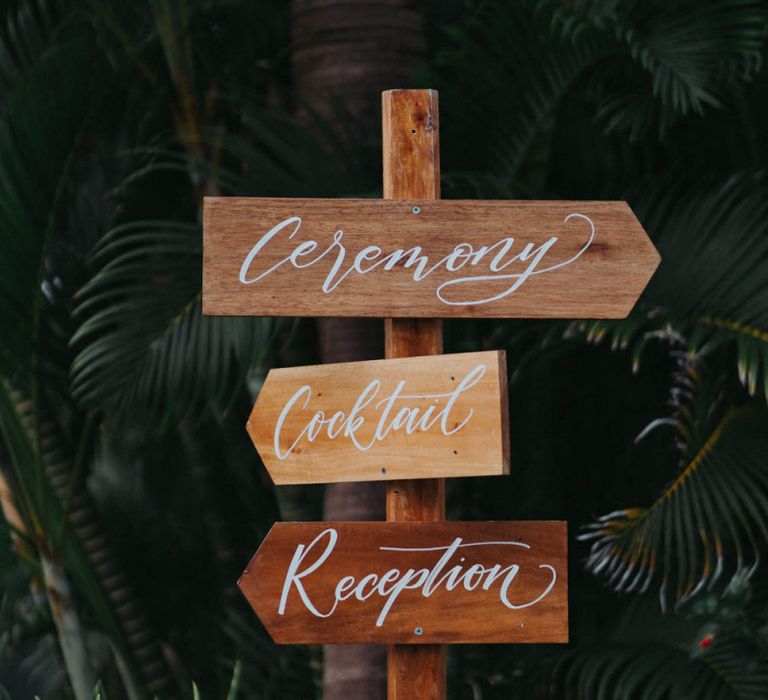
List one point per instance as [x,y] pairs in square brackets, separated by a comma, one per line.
[390,585]
[408,418]
[498,257]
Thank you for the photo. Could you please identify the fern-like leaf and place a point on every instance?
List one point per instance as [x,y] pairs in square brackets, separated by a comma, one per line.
[732,670]
[669,59]
[717,503]
[711,289]
[143,345]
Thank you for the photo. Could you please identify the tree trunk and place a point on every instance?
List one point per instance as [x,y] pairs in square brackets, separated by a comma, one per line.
[143,665]
[70,632]
[352,50]
[348,52]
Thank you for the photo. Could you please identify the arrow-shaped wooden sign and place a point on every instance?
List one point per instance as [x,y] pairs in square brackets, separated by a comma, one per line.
[411,583]
[412,418]
[368,257]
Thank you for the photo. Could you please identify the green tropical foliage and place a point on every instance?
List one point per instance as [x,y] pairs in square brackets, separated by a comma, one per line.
[127,480]
[653,660]
[142,317]
[718,497]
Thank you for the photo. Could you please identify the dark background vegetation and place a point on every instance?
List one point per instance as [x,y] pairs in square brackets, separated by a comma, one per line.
[131,496]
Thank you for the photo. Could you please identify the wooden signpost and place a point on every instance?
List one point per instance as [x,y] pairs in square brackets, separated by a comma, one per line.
[411,583]
[414,582]
[385,419]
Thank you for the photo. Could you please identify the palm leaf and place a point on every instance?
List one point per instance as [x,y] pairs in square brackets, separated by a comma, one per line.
[528,78]
[717,503]
[732,670]
[271,154]
[638,69]
[26,32]
[711,289]
[669,59]
[43,118]
[144,346]
[98,692]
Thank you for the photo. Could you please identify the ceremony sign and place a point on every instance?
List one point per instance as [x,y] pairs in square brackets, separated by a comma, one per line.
[368,257]
[419,417]
[416,583]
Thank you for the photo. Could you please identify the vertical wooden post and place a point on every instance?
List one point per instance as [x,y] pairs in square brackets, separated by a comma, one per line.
[411,156]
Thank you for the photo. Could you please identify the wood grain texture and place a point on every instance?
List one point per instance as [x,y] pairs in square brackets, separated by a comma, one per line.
[457,258]
[411,168]
[421,499]
[378,420]
[411,144]
[416,671]
[411,583]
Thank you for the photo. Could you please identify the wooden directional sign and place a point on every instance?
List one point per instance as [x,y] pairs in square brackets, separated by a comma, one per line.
[419,417]
[420,583]
[321,257]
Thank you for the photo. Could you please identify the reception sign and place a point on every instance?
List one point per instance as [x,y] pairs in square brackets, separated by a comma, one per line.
[390,258]
[419,417]
[411,583]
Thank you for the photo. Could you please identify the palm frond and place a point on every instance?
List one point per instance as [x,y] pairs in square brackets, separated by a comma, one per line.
[26,31]
[98,692]
[272,154]
[711,289]
[638,68]
[669,59]
[731,670]
[528,78]
[717,503]
[144,347]
[42,122]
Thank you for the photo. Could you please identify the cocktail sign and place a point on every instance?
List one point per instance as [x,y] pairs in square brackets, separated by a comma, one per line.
[385,419]
[415,583]
[314,257]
